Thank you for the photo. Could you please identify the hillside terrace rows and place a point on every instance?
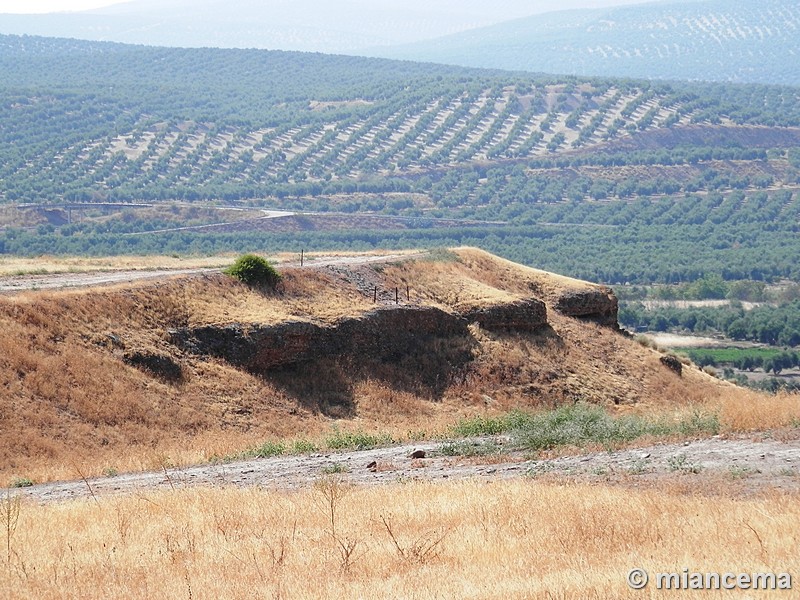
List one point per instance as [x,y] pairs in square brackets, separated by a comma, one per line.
[442,132]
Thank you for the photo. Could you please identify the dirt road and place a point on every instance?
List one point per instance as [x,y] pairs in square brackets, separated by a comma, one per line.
[754,463]
[10,284]
[21,283]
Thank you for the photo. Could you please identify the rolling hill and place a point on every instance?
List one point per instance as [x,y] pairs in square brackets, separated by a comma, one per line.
[201,366]
[525,165]
[332,26]
[754,41]
[84,120]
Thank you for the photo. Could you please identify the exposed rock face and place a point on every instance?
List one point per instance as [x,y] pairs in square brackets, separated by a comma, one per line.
[598,305]
[672,363]
[385,333]
[524,316]
[160,365]
[389,334]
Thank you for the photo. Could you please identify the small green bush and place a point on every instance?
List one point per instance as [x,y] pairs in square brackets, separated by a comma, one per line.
[254,270]
[266,450]
[479,426]
[21,482]
[356,440]
[469,449]
[304,447]
[334,469]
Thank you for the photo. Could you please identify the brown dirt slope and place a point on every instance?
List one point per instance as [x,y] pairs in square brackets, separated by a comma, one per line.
[93,380]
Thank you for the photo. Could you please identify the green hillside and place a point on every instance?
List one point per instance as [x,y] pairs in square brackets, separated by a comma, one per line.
[523,165]
[753,41]
[87,121]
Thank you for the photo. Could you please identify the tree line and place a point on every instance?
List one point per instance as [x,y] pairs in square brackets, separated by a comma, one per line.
[773,325]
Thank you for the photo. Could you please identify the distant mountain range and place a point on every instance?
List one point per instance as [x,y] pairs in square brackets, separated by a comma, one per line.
[752,41]
[329,26]
[749,41]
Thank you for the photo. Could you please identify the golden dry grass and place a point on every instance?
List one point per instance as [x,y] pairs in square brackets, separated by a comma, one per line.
[13,265]
[745,410]
[476,278]
[18,265]
[465,539]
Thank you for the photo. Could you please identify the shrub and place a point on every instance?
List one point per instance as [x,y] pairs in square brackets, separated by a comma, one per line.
[254,270]
[334,468]
[480,426]
[304,447]
[21,482]
[356,440]
[266,450]
[468,449]
[582,424]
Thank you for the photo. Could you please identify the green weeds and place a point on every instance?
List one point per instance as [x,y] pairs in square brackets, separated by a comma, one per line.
[21,482]
[581,424]
[356,440]
[467,448]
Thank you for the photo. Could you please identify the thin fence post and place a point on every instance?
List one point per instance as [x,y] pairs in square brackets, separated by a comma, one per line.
[302,252]
[397,295]
[408,293]
[375,295]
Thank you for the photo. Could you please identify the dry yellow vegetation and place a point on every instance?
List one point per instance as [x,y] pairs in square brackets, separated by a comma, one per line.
[465,539]
[15,265]
[18,265]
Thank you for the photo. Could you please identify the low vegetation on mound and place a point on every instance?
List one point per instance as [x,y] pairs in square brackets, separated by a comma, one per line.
[96,381]
[254,270]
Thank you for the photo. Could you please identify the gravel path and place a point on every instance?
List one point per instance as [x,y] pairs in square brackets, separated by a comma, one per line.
[10,284]
[760,463]
[21,283]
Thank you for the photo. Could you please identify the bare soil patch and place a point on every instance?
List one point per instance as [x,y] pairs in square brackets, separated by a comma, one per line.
[746,463]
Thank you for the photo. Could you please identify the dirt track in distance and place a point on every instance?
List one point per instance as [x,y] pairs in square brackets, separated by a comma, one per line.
[10,284]
[749,464]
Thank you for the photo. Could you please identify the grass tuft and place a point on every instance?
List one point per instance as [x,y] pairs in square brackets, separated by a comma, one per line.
[480,426]
[265,450]
[21,482]
[467,448]
[304,447]
[335,469]
[356,440]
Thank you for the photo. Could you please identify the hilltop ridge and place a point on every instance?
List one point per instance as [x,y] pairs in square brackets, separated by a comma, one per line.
[748,41]
[121,374]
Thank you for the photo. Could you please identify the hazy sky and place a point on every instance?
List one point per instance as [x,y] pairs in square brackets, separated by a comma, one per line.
[42,6]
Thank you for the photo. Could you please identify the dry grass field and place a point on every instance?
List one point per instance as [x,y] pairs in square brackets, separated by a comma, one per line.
[73,408]
[466,539]
[15,265]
